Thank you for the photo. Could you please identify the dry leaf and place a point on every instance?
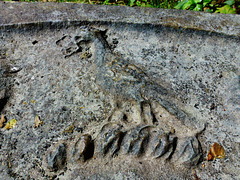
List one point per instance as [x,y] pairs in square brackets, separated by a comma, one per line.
[33,101]
[69,129]
[216,151]
[2,121]
[172,130]
[38,122]
[9,163]
[11,124]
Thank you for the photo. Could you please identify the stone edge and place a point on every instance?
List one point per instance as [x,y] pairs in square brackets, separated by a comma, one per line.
[22,14]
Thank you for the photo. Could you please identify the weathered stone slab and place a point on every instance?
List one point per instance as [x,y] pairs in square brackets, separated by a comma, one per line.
[17,13]
[121,92]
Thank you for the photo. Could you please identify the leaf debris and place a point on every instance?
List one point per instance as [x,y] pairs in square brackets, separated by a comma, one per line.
[33,101]
[2,121]
[216,151]
[38,122]
[69,129]
[11,124]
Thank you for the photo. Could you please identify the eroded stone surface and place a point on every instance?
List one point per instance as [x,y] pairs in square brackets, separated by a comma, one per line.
[83,148]
[110,139]
[137,99]
[163,144]
[57,159]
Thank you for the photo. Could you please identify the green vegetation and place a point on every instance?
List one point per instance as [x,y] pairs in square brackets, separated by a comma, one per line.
[212,6]
[220,6]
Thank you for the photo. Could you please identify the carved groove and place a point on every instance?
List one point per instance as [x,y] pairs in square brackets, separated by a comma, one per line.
[3,102]
[135,140]
[84,148]
[110,139]
[163,143]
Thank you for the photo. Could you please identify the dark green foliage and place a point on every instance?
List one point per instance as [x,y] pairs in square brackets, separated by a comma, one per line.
[217,6]
[167,4]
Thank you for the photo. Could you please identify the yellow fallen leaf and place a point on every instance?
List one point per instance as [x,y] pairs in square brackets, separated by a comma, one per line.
[216,151]
[25,103]
[11,124]
[2,121]
[172,130]
[69,129]
[33,101]
[38,122]
[9,163]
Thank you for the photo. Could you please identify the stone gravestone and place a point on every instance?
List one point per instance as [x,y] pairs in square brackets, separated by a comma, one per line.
[102,92]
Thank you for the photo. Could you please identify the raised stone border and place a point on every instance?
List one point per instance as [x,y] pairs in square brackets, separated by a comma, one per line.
[18,14]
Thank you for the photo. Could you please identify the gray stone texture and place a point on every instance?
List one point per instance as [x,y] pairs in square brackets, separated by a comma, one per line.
[124,93]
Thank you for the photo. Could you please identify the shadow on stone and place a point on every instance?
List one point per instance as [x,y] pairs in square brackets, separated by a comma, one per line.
[3,102]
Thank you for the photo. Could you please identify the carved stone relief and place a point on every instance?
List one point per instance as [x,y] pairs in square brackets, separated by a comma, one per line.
[142,123]
[114,102]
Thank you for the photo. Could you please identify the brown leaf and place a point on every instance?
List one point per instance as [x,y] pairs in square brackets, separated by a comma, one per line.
[216,151]
[38,122]
[69,129]
[2,121]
